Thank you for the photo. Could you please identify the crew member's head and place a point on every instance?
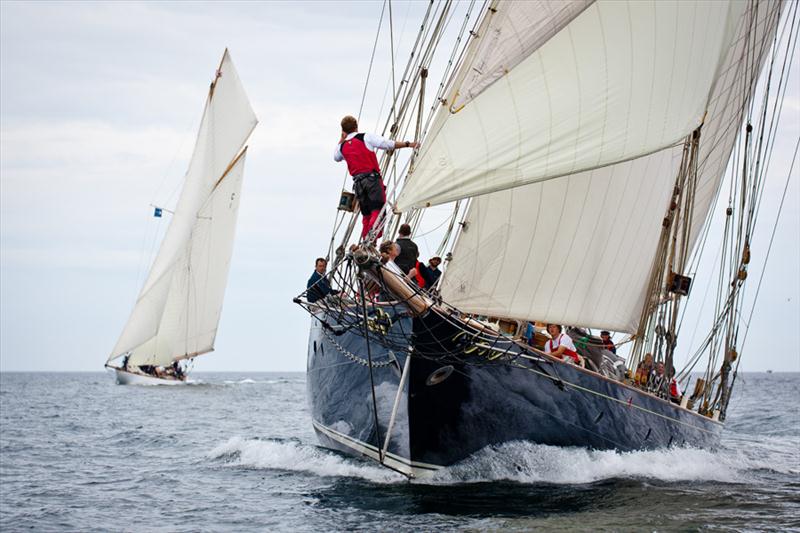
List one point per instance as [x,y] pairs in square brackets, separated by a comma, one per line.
[554,330]
[349,124]
[405,230]
[434,262]
[321,265]
[387,251]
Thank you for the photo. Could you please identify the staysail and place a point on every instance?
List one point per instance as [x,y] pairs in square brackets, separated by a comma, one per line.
[178,308]
[619,81]
[579,249]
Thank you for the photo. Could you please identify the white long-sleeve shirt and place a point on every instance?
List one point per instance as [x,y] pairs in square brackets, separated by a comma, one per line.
[374,142]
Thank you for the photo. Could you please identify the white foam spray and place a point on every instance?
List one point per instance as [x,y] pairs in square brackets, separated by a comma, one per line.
[526,462]
[298,457]
[529,463]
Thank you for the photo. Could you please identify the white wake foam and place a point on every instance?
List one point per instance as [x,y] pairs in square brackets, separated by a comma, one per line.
[532,463]
[249,381]
[524,462]
[297,457]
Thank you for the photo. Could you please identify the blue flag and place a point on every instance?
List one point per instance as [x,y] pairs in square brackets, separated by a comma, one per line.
[157,212]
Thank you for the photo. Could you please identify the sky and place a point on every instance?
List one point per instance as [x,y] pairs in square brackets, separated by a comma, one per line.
[99,105]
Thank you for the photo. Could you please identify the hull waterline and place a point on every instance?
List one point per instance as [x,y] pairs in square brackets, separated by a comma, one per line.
[129,378]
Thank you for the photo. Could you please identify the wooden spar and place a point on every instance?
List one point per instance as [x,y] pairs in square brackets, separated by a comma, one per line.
[418,303]
[228,169]
[413,298]
[193,355]
[217,75]
[221,61]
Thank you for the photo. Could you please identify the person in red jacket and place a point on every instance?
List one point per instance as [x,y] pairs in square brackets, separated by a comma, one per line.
[358,151]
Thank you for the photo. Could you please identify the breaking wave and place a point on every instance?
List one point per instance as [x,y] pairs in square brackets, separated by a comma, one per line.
[525,462]
[290,455]
[249,381]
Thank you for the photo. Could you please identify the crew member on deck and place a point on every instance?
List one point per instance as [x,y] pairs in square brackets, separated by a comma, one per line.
[643,371]
[177,370]
[657,380]
[358,150]
[675,393]
[389,251]
[318,285]
[409,252]
[608,344]
[431,273]
[560,345]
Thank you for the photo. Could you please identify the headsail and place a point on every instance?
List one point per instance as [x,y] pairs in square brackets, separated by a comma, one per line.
[178,308]
[579,249]
[511,31]
[621,80]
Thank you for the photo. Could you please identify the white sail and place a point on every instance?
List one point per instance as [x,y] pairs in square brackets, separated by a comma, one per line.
[579,249]
[510,32]
[621,80]
[186,263]
[188,324]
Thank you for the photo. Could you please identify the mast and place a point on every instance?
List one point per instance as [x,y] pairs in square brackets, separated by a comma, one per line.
[660,323]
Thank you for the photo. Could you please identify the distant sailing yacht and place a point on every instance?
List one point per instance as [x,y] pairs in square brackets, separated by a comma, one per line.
[178,309]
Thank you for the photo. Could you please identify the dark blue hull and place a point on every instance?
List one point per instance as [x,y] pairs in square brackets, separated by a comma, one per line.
[459,397]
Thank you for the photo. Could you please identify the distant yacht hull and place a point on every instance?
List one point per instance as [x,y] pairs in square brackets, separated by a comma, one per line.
[131,378]
[455,401]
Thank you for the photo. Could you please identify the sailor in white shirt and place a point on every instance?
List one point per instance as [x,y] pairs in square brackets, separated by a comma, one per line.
[389,250]
[561,345]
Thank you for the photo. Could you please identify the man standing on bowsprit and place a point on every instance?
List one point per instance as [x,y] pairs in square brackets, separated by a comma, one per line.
[358,150]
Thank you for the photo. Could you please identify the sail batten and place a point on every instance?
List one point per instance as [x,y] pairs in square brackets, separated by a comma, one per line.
[179,305]
[579,249]
[619,81]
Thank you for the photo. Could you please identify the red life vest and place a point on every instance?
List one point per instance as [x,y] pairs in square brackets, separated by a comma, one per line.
[420,280]
[567,351]
[673,389]
[360,159]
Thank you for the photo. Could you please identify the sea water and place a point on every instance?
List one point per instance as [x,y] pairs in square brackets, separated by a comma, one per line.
[237,452]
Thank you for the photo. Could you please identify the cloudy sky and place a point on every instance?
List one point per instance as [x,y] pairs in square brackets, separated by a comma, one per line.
[99,105]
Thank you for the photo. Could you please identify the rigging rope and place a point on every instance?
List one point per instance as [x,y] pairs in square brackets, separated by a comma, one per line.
[771,239]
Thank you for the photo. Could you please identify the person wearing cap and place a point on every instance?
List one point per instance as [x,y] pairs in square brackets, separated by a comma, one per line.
[358,151]
[430,272]
[608,344]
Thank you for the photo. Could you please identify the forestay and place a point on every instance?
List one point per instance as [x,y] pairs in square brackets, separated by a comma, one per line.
[579,249]
[618,81]
[178,308]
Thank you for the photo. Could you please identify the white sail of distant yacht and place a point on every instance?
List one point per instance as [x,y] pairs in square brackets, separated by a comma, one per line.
[178,308]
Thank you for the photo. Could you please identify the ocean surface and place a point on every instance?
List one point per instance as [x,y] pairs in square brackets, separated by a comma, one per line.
[237,452]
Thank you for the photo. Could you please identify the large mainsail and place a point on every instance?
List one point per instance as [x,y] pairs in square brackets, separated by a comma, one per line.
[579,249]
[178,308]
[619,81]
